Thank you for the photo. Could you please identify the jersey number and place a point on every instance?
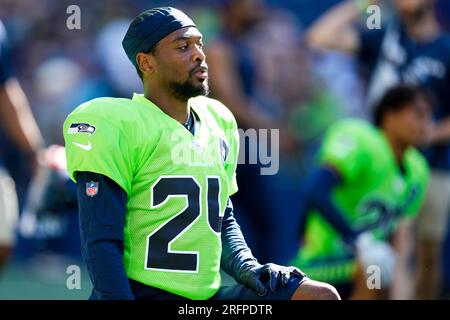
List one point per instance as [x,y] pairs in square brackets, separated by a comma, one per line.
[378,215]
[159,253]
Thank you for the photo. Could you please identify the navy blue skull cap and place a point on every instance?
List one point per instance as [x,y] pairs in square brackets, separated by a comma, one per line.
[149,27]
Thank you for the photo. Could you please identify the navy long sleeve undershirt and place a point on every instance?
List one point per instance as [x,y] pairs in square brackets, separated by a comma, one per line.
[318,195]
[102,220]
[236,255]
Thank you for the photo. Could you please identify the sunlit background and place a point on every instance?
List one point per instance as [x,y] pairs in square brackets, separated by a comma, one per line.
[59,68]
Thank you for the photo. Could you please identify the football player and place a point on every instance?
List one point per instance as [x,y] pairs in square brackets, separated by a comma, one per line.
[368,179]
[155,174]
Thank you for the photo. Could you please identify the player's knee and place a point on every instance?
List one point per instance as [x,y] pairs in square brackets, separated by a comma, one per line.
[315,290]
[326,291]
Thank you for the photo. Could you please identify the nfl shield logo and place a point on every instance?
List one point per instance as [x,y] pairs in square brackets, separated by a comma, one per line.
[91,188]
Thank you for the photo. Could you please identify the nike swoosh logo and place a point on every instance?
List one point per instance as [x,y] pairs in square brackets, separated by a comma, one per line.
[86,147]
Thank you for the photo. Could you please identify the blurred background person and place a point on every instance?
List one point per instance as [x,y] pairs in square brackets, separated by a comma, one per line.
[261,70]
[22,131]
[233,77]
[368,179]
[303,104]
[57,77]
[412,48]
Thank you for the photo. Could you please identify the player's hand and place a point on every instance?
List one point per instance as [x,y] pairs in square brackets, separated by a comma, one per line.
[54,157]
[278,276]
[373,252]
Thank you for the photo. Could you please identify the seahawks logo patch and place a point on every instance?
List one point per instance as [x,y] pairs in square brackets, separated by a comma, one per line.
[223,150]
[81,128]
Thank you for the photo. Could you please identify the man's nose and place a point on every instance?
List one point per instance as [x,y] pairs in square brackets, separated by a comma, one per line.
[198,55]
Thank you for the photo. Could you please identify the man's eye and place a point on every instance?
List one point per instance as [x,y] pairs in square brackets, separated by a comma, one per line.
[183,48]
[200,45]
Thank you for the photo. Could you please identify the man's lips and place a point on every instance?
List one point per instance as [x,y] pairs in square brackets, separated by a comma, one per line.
[201,72]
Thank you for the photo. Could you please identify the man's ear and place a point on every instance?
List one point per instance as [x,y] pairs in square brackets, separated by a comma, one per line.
[145,62]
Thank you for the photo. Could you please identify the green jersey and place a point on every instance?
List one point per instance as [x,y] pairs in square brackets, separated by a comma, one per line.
[177,184]
[375,194]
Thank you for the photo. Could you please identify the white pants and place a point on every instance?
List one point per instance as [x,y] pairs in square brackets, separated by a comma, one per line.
[9,210]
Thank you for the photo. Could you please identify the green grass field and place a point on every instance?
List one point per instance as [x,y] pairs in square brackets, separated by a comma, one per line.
[43,279]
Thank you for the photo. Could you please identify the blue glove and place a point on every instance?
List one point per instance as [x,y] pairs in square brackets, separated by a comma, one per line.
[278,276]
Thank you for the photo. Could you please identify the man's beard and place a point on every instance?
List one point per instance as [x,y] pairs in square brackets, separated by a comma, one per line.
[186,90]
